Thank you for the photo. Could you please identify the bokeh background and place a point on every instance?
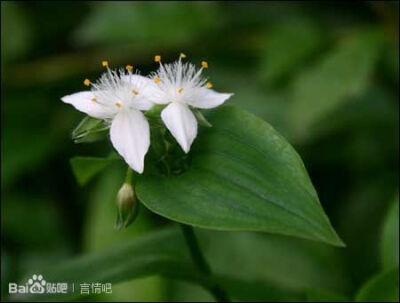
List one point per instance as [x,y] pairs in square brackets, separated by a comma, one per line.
[325,75]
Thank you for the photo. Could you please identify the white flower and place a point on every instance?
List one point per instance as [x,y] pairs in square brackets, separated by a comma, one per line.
[119,97]
[180,85]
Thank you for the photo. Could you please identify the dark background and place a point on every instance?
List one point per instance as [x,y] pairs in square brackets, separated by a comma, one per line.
[325,75]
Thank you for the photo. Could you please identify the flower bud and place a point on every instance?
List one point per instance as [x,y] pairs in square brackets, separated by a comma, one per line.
[127,206]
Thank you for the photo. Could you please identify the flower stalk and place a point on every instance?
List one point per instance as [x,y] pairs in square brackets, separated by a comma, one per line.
[200,262]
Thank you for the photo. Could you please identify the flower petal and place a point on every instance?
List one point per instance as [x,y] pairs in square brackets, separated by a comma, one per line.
[182,124]
[143,87]
[85,102]
[207,98]
[130,135]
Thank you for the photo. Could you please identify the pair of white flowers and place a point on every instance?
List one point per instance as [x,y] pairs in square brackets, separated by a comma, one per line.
[120,97]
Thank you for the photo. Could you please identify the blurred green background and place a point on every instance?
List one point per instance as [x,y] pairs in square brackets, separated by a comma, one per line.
[325,75]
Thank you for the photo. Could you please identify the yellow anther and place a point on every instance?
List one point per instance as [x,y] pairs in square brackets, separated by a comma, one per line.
[157,80]
[135,92]
[209,85]
[94,99]
[104,63]
[180,90]
[157,58]
[204,64]
[118,104]
[129,67]
[182,55]
[86,82]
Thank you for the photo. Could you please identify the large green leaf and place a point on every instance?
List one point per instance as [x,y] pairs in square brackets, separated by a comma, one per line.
[243,176]
[390,237]
[161,252]
[382,288]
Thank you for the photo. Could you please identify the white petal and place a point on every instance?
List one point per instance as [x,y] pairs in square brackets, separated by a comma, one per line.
[156,95]
[144,87]
[130,135]
[182,124]
[83,101]
[207,98]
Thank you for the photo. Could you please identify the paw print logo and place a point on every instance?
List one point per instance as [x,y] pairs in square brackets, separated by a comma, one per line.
[37,284]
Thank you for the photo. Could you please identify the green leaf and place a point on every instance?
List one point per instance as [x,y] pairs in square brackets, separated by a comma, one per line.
[291,263]
[342,74]
[85,168]
[89,130]
[243,176]
[390,237]
[384,287]
[162,252]
[158,252]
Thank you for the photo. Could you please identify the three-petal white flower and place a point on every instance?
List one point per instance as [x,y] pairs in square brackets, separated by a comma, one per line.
[181,85]
[119,97]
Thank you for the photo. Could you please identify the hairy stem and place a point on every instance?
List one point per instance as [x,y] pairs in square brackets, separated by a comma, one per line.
[201,263]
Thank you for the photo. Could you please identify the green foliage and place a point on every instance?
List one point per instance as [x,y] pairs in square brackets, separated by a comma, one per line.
[288,46]
[99,237]
[175,24]
[390,237]
[17,43]
[325,296]
[26,151]
[292,264]
[85,168]
[89,130]
[324,75]
[243,176]
[161,252]
[384,287]
[322,89]
[201,120]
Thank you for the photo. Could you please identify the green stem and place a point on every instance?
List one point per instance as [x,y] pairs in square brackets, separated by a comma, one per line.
[201,263]
[129,173]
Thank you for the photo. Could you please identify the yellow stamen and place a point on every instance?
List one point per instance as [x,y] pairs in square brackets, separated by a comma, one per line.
[157,80]
[129,67]
[204,64]
[86,82]
[94,99]
[182,55]
[104,63]
[157,58]
[180,90]
[209,85]
[118,104]
[135,92]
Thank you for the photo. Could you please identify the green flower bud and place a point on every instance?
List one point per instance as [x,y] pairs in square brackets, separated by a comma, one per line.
[127,206]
